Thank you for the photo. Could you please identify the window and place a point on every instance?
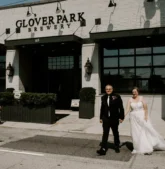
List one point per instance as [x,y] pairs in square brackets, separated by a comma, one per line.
[143,51]
[110,62]
[126,51]
[159,49]
[158,60]
[110,52]
[143,67]
[127,73]
[160,72]
[143,61]
[126,61]
[61,62]
[111,72]
[143,72]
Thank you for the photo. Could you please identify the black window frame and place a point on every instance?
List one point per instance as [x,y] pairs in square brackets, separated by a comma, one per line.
[135,79]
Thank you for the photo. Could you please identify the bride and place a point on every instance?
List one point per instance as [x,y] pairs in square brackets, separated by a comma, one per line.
[145,138]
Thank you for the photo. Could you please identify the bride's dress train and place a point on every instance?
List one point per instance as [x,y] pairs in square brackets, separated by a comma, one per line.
[145,138]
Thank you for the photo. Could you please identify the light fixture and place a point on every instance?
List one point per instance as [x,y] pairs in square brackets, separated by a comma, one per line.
[112,4]
[88,67]
[59,8]
[8,31]
[83,23]
[10,70]
[98,21]
[29,13]
[18,30]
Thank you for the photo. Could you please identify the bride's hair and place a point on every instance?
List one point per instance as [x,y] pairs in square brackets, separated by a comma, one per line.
[136,88]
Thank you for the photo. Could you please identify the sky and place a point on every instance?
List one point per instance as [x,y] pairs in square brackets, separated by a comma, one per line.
[13,2]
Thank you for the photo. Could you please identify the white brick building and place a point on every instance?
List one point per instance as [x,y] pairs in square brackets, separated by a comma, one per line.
[125,44]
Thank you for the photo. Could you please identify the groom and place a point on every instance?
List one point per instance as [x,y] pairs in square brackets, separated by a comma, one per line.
[111,114]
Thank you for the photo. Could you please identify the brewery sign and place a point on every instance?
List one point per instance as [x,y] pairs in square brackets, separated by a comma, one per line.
[49,22]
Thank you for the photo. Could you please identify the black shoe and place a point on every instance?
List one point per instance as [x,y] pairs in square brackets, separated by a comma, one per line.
[102,151]
[117,150]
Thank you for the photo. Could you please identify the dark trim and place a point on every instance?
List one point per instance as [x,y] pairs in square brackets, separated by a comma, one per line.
[30,4]
[96,36]
[52,39]
[88,41]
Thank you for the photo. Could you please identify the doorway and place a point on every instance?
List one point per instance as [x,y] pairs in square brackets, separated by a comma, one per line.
[57,69]
[64,79]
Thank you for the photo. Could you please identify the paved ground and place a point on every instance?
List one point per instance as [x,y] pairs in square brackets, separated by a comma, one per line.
[70,122]
[70,143]
[36,149]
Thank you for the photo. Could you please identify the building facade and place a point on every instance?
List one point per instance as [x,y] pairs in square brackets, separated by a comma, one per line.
[49,42]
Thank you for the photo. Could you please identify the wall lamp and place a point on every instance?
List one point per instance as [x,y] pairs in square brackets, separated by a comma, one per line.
[88,67]
[10,70]
[59,8]
[18,30]
[82,24]
[30,12]
[112,4]
[7,31]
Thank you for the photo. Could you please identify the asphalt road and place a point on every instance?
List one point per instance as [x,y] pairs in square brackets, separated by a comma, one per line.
[30,149]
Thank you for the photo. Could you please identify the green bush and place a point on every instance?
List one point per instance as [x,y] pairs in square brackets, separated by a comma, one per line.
[6,98]
[37,99]
[87,94]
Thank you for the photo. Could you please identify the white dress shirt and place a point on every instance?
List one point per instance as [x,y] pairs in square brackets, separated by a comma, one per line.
[108,105]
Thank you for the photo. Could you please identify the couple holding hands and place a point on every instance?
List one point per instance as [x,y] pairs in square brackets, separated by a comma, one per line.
[144,137]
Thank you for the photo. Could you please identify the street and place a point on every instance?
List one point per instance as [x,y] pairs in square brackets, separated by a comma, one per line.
[37,149]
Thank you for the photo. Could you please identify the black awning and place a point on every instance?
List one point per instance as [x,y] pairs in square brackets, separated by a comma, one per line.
[127,33]
[43,40]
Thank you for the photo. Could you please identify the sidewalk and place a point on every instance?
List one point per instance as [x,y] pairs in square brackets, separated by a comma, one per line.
[71,123]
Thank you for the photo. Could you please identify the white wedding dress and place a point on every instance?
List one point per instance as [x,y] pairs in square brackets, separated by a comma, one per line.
[145,138]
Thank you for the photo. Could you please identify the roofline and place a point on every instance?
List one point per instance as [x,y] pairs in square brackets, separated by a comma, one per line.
[30,4]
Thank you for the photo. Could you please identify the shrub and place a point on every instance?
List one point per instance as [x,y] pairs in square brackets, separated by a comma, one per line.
[6,98]
[87,94]
[38,99]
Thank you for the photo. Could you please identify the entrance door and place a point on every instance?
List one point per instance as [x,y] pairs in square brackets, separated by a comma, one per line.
[61,83]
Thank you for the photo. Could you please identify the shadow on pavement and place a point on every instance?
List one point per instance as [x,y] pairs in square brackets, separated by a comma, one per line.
[129,145]
[68,146]
[60,116]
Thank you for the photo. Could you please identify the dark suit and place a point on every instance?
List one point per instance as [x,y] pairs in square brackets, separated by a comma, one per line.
[116,112]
